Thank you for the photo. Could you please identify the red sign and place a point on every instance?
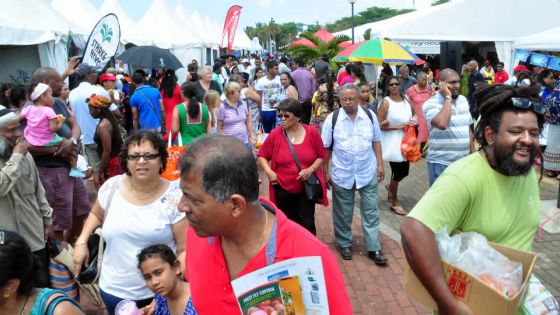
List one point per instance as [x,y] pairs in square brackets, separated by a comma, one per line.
[230,25]
[459,283]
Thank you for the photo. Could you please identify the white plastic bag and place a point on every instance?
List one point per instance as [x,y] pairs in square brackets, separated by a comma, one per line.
[471,252]
[126,307]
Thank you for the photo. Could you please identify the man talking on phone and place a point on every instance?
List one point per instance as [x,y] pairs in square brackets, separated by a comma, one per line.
[449,121]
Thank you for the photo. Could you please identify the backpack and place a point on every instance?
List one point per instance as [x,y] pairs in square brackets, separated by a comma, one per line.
[335,118]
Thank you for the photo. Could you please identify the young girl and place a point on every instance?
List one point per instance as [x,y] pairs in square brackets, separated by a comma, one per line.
[162,272]
[43,122]
[212,101]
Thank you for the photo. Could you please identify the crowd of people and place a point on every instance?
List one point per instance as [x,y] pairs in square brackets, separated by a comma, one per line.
[308,127]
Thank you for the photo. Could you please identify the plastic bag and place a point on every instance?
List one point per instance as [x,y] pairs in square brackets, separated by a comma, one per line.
[172,168]
[409,145]
[471,252]
[126,307]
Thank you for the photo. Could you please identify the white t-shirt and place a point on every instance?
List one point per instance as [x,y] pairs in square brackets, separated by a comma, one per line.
[127,229]
[270,90]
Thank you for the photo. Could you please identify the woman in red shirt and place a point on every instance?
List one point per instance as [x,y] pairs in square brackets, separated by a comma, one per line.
[286,181]
[171,95]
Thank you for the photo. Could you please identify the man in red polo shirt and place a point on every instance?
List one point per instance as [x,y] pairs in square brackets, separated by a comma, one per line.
[233,232]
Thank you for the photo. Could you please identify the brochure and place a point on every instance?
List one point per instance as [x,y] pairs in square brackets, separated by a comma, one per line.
[291,287]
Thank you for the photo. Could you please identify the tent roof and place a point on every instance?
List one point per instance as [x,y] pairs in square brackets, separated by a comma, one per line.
[128,26]
[168,32]
[32,22]
[324,35]
[545,40]
[462,20]
[80,12]
[190,20]
[303,42]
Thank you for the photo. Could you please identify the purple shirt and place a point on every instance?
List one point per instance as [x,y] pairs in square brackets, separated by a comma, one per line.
[304,82]
[233,120]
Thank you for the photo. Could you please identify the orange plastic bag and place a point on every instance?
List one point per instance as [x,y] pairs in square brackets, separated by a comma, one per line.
[172,170]
[409,145]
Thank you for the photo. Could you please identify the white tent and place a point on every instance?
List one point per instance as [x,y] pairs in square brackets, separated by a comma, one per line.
[128,26]
[24,24]
[465,20]
[546,40]
[168,32]
[80,12]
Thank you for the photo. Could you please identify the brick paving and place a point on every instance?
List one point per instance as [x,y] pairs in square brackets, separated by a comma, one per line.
[379,290]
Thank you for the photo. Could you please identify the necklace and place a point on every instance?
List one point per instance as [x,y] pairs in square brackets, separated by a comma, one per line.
[149,196]
[24,305]
[293,138]
[263,234]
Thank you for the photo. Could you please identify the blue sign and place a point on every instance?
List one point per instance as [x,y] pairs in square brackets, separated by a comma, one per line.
[554,63]
[539,60]
[521,55]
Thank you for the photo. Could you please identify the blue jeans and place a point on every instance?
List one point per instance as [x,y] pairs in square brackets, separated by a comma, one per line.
[111,302]
[434,170]
[343,211]
[268,119]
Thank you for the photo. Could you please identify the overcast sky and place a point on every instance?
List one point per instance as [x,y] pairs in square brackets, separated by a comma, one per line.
[305,11]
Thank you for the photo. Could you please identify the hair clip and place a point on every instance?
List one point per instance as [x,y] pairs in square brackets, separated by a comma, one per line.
[1,237]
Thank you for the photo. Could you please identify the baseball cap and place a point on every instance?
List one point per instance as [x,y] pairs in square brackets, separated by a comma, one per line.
[245,60]
[520,68]
[84,69]
[107,77]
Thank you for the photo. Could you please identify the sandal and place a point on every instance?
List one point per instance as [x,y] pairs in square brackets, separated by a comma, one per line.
[398,210]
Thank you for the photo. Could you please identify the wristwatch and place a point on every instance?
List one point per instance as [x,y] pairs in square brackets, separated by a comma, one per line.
[448,97]
[74,141]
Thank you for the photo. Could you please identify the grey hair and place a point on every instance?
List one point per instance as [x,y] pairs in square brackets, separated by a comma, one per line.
[404,67]
[349,86]
[226,166]
[203,69]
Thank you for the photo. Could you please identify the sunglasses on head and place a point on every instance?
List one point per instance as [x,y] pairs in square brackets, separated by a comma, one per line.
[146,156]
[525,103]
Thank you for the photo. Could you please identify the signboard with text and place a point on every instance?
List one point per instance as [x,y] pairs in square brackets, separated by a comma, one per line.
[428,47]
[103,41]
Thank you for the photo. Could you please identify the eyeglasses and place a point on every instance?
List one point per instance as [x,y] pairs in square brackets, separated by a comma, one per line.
[525,103]
[394,84]
[285,116]
[146,156]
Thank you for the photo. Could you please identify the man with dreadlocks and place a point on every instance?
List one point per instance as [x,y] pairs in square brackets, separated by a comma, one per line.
[493,192]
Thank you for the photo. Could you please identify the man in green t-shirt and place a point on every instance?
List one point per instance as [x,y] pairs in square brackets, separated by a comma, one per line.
[493,192]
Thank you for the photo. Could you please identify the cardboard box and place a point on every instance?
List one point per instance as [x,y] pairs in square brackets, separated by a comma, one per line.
[481,298]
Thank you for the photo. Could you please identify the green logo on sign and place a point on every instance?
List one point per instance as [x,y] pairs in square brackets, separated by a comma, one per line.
[106,33]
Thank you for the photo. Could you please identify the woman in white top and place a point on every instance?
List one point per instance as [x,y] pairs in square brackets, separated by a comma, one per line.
[394,114]
[136,209]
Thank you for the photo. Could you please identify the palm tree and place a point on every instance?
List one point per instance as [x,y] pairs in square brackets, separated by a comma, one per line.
[310,54]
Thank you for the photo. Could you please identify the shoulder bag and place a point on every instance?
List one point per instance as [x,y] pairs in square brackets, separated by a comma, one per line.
[162,121]
[312,186]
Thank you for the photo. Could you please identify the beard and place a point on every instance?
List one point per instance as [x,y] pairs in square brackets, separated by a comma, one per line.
[507,165]
[5,148]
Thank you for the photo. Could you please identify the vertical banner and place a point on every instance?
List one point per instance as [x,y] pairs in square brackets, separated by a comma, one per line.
[103,41]
[230,25]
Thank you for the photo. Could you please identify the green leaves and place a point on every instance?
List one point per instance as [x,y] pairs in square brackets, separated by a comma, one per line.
[106,33]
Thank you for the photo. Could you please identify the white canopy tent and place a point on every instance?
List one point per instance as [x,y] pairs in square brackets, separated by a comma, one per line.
[80,12]
[128,26]
[462,20]
[546,40]
[34,22]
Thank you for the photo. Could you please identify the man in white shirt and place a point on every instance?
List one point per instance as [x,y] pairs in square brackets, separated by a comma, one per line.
[269,89]
[78,96]
[357,164]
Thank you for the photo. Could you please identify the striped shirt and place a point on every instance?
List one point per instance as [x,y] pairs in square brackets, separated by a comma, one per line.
[233,120]
[353,158]
[449,145]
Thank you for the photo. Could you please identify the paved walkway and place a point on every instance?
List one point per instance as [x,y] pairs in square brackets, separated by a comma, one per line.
[379,290]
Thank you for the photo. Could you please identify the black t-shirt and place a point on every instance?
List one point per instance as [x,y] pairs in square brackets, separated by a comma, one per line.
[200,90]
[50,161]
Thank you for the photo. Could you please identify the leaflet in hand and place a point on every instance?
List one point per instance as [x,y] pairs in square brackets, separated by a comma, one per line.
[291,287]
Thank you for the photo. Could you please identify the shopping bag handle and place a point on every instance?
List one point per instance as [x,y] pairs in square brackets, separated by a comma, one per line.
[170,139]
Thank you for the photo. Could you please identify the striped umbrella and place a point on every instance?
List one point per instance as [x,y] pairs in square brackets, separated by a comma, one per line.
[377,51]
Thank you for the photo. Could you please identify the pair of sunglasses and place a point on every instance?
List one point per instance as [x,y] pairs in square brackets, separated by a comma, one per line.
[525,103]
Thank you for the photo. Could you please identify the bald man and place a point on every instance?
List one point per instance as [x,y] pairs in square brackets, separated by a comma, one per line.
[449,120]
[475,79]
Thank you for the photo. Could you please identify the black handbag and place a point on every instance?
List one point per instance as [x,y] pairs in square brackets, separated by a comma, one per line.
[312,186]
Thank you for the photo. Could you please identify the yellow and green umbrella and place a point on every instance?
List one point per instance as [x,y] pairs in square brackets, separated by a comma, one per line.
[377,51]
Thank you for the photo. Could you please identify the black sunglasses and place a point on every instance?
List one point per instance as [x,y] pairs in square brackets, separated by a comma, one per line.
[525,103]
[146,156]
[394,84]
[286,116]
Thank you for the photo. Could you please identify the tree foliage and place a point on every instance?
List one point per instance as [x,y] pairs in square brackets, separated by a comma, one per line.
[310,54]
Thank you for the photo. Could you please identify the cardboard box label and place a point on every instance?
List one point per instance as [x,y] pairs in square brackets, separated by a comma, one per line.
[459,283]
